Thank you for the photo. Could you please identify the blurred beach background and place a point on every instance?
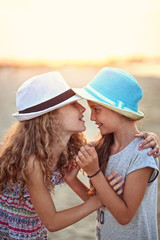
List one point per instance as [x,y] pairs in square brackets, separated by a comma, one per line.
[78,38]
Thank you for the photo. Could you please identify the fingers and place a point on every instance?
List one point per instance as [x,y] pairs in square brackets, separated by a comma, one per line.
[79,161]
[150,140]
[156,155]
[116,182]
[82,155]
[155,152]
[111,176]
[88,150]
[83,152]
[146,143]
[87,155]
[142,135]
[119,192]
[153,136]
[87,159]
[118,185]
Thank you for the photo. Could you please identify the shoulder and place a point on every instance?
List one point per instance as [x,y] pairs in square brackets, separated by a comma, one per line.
[140,160]
[33,165]
[34,173]
[133,149]
[142,154]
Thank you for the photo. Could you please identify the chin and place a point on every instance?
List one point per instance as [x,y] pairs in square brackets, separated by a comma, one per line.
[83,129]
[104,132]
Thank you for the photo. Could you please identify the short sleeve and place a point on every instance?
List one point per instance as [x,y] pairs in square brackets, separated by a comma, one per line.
[142,160]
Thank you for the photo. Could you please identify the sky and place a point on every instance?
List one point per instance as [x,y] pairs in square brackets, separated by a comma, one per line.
[57,30]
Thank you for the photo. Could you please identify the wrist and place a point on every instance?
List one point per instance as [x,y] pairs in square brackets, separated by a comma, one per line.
[94,202]
[70,179]
[94,174]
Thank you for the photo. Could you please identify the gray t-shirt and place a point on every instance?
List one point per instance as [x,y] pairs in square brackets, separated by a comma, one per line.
[144,224]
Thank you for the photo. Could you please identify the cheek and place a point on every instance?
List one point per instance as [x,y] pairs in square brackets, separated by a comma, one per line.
[60,120]
[70,121]
[110,123]
[56,122]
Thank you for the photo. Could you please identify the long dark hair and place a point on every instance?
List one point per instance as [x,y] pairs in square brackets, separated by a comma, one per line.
[103,148]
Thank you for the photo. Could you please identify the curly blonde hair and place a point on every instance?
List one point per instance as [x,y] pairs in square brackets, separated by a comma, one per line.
[34,137]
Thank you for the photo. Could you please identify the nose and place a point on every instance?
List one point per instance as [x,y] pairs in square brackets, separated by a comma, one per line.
[81,108]
[92,116]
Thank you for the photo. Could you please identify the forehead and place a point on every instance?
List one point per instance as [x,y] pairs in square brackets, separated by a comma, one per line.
[93,104]
[63,108]
[68,108]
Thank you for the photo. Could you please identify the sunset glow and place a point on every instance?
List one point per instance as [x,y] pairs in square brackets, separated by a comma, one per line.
[60,30]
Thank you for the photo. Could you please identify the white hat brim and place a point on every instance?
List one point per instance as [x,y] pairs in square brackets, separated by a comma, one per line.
[28,116]
[128,113]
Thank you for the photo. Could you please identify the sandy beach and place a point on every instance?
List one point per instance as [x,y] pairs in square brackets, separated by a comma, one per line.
[77,76]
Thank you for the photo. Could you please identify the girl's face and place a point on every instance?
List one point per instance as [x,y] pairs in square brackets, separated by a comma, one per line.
[70,118]
[106,119]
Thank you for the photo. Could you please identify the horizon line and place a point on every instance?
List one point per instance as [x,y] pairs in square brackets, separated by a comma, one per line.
[17,62]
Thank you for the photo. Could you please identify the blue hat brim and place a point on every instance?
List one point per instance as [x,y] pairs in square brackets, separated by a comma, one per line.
[127,113]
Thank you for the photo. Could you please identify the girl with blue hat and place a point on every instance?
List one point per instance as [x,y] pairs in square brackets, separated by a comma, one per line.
[113,97]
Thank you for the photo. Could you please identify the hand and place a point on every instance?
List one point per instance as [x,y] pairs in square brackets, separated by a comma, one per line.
[87,159]
[116,182]
[150,141]
[72,172]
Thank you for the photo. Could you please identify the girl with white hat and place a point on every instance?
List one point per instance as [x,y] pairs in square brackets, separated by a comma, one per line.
[113,97]
[36,155]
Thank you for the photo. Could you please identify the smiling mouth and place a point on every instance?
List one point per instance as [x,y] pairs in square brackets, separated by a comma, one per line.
[99,124]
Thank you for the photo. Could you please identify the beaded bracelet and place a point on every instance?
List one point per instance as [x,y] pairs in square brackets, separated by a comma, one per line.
[94,173]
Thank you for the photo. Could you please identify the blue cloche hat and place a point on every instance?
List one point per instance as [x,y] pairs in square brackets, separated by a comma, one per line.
[116,90]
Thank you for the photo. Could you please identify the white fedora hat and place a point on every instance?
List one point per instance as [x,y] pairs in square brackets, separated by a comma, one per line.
[41,94]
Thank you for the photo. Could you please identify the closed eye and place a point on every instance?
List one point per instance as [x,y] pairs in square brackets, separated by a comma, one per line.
[96,109]
[74,103]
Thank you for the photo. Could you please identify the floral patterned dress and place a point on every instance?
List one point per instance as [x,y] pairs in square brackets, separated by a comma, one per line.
[21,221]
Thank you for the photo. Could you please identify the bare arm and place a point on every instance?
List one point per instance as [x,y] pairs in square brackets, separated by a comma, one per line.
[44,204]
[82,190]
[135,186]
[74,182]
